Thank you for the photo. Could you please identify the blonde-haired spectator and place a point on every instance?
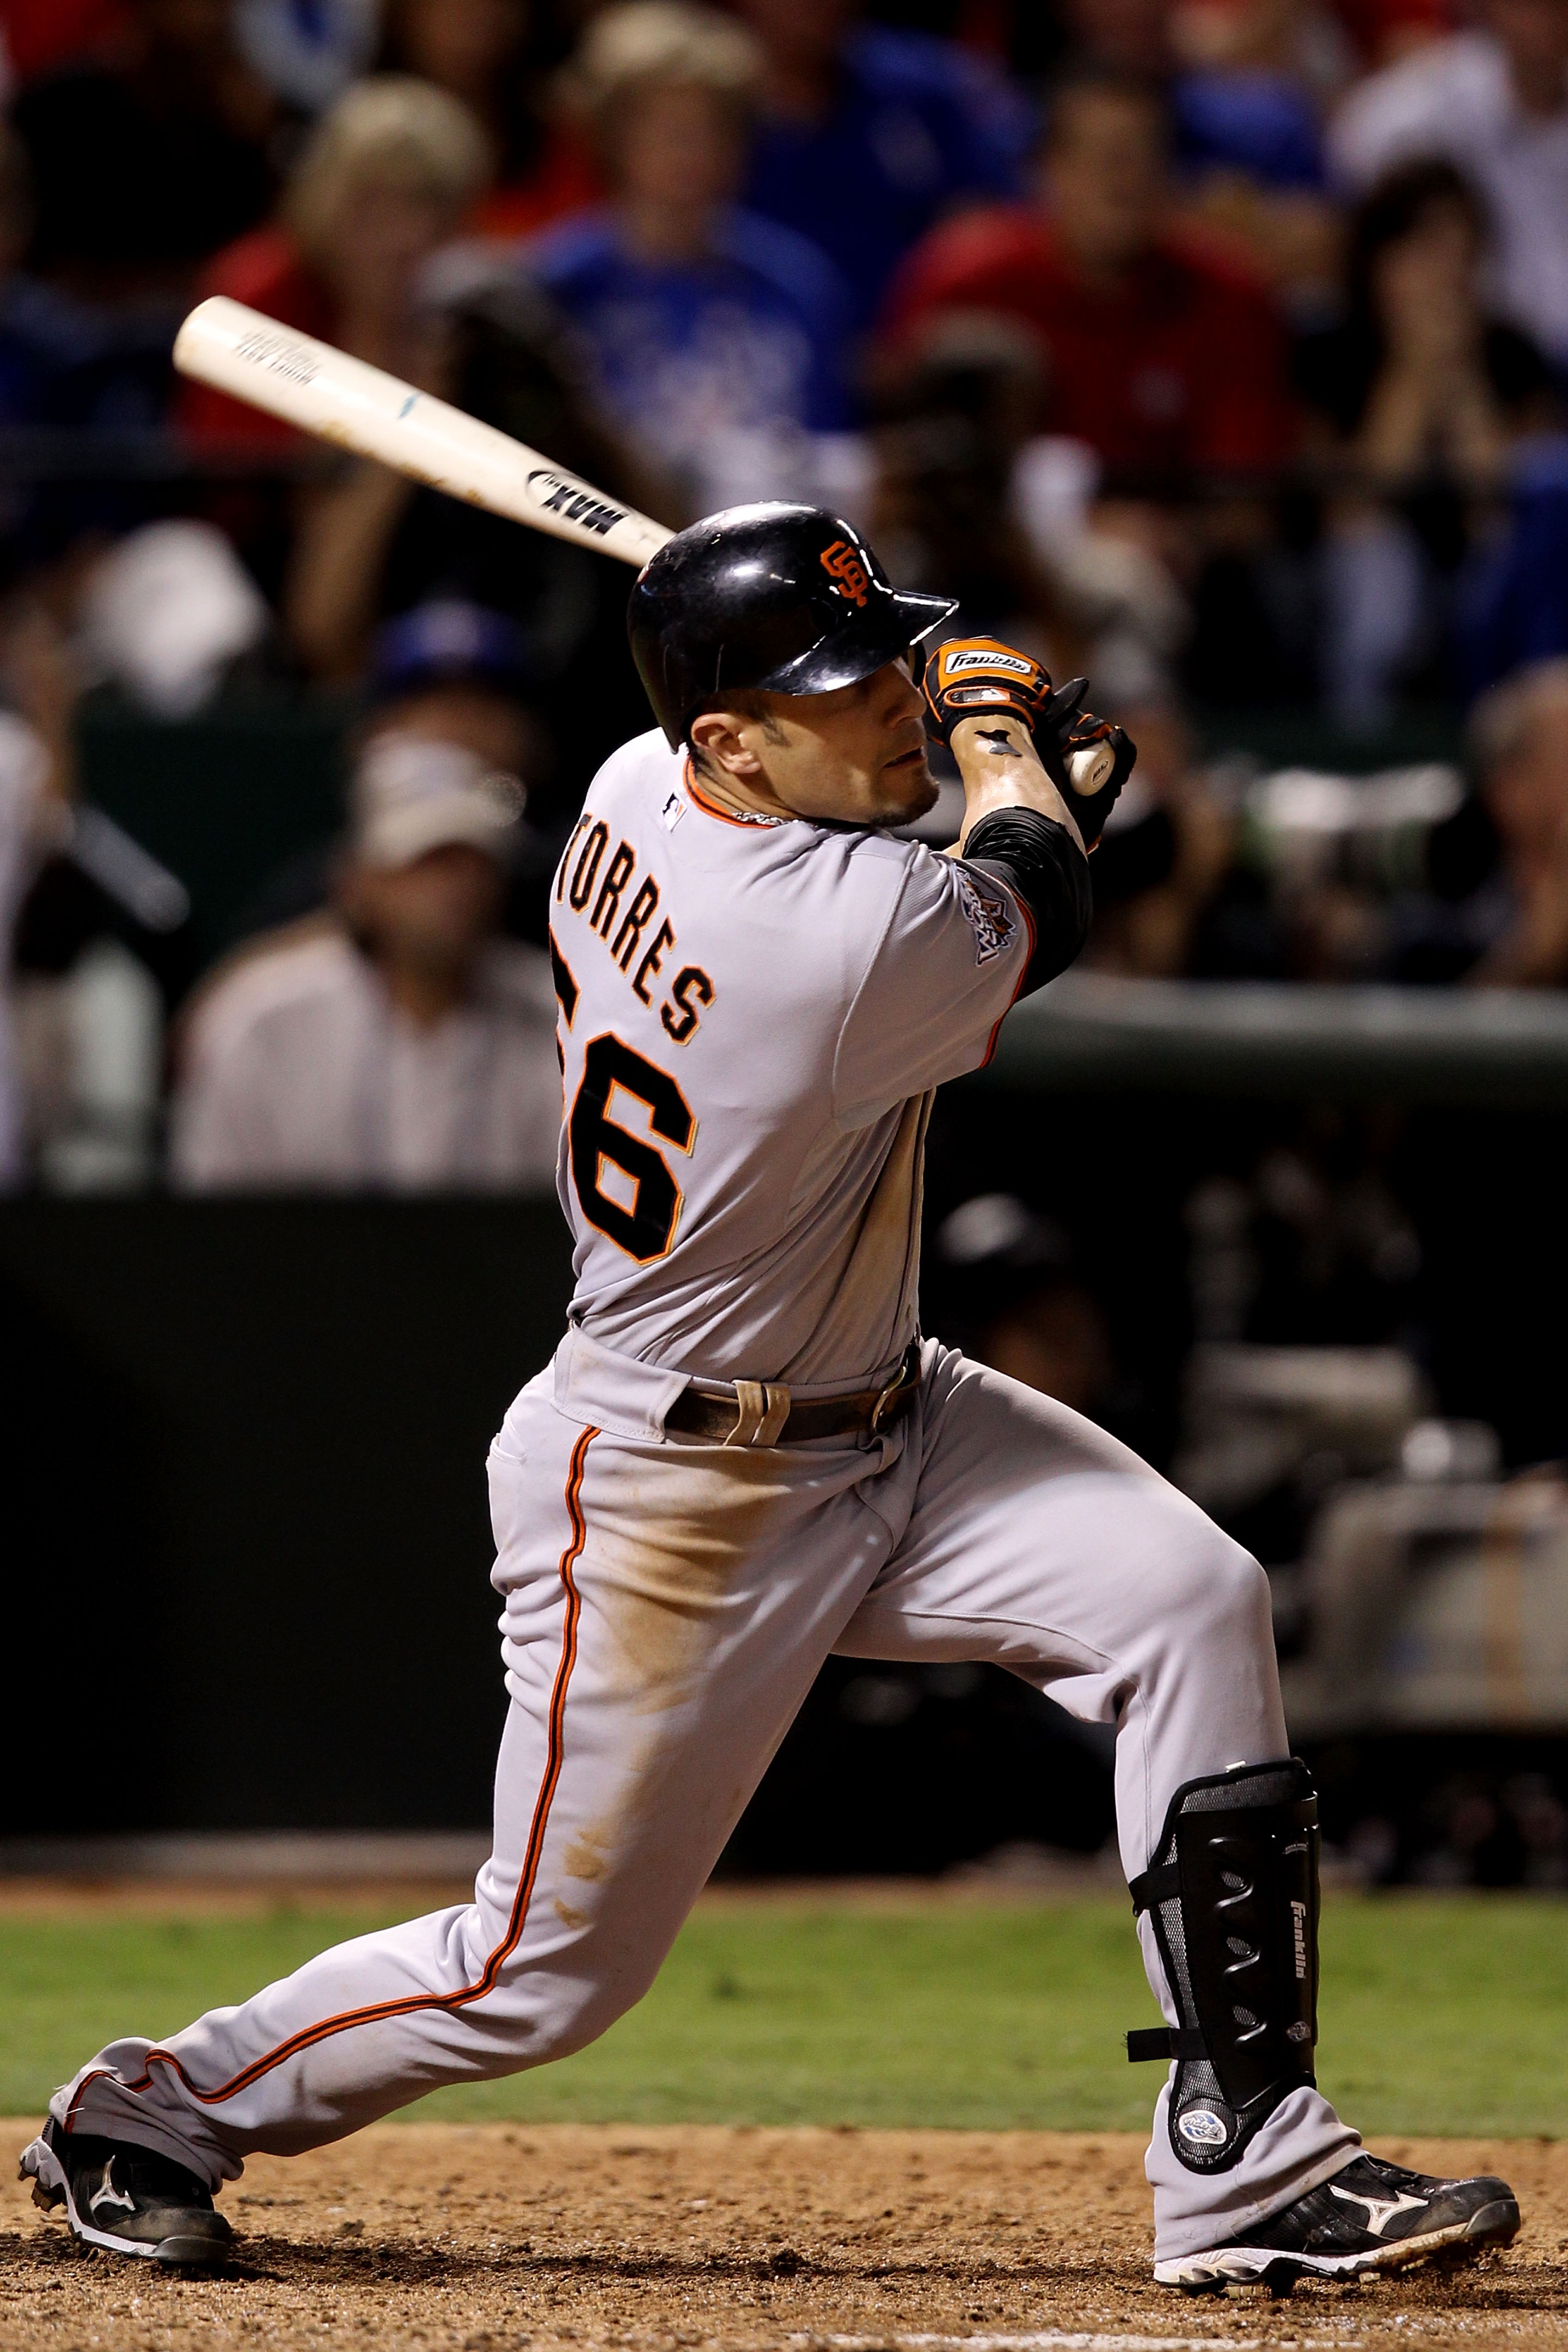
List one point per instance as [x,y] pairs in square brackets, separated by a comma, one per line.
[660,43]
[699,320]
[385,179]
[391,135]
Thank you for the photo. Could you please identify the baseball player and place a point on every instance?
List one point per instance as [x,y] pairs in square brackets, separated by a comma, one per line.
[744,1456]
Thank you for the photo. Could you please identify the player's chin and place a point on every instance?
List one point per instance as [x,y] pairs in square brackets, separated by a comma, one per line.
[909,787]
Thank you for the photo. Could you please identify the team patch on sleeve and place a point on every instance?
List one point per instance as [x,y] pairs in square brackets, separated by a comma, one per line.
[990,918]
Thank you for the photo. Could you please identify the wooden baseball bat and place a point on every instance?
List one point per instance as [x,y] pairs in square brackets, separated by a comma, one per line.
[323,390]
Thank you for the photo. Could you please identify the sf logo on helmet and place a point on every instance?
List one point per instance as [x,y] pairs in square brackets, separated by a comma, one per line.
[845,570]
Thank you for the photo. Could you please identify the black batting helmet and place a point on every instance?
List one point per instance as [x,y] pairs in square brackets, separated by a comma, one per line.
[785,597]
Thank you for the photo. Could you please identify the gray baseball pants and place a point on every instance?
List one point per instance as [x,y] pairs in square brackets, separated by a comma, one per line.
[667,1606]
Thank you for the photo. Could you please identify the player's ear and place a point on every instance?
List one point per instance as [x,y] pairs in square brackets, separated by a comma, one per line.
[715,735]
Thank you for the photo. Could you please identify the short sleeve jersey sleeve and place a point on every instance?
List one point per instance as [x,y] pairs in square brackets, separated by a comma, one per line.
[950,958]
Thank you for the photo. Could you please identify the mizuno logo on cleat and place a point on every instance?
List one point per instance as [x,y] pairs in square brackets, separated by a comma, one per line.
[1380,2211]
[108,2194]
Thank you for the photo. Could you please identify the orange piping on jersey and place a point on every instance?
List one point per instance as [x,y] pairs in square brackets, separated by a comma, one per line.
[712,808]
[1023,976]
[486,1980]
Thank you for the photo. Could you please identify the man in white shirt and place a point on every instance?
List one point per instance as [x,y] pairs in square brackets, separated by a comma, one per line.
[1493,101]
[394,1042]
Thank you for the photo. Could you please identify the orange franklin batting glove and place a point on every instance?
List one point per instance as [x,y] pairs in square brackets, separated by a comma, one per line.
[979,677]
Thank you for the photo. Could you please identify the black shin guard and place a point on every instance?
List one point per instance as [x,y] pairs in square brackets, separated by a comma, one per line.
[1233,1895]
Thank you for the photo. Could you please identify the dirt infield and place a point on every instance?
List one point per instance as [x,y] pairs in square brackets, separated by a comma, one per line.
[1036,1875]
[442,2235]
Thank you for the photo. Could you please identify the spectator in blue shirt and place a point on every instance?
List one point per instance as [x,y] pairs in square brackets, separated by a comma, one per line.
[698,319]
[35,338]
[1254,122]
[1248,82]
[69,362]
[867,135]
[64,361]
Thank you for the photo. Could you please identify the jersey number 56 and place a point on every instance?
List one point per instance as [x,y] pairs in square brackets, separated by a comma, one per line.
[645,1228]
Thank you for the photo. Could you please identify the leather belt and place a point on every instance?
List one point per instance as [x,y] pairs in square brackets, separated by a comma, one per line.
[763,1413]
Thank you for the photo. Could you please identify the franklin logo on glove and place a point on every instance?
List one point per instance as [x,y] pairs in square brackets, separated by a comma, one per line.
[956,659]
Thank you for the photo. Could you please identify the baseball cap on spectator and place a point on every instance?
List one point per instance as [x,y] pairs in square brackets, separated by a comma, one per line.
[165,610]
[997,1238]
[449,641]
[410,797]
[992,1255]
[1011,1296]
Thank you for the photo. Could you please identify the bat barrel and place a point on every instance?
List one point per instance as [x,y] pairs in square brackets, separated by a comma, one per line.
[322,391]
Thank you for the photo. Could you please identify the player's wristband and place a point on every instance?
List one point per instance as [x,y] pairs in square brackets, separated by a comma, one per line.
[1043,866]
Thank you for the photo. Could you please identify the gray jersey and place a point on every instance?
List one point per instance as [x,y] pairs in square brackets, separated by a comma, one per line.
[753,1014]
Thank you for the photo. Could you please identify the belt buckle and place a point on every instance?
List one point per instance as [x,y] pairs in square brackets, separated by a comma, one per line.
[902,1380]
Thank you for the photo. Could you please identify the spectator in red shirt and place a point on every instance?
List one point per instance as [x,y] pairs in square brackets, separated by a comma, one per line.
[1159,355]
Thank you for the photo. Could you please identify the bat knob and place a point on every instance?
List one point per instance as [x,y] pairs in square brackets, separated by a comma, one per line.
[1089,768]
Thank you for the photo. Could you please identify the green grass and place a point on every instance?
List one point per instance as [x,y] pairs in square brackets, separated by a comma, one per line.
[1445,2013]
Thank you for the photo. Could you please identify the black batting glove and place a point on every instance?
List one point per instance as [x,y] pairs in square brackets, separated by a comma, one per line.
[1087,759]
[1096,760]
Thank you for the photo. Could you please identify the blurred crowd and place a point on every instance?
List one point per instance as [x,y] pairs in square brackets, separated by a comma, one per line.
[1216,348]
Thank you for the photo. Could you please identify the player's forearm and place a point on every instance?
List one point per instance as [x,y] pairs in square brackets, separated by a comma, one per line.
[1017,828]
[1000,769]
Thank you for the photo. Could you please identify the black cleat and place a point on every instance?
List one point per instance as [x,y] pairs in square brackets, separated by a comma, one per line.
[127,2200]
[1372,2216]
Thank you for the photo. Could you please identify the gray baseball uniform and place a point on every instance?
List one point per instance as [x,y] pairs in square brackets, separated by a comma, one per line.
[752,1015]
